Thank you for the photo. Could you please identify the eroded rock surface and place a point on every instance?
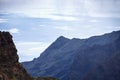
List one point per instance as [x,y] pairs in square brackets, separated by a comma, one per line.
[10,68]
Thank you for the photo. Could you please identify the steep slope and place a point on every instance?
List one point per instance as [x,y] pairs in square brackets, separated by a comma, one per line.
[75,58]
[90,58]
[46,60]
[109,70]
[10,68]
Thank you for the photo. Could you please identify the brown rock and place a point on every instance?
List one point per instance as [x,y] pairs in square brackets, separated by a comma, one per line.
[10,68]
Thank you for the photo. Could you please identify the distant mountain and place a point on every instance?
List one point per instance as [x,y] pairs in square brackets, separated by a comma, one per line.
[75,59]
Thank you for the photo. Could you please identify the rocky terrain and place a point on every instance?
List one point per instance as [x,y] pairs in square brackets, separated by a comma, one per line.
[10,68]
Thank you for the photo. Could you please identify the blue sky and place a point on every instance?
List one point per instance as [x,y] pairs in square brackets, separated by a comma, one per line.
[36,24]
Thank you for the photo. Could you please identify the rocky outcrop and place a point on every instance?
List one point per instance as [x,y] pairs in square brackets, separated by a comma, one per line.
[10,68]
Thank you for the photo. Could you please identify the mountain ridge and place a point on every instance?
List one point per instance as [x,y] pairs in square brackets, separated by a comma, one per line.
[62,62]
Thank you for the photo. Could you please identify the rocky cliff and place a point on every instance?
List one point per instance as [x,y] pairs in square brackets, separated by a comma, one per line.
[10,68]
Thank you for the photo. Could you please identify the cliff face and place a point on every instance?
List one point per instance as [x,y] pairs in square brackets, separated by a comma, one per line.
[10,68]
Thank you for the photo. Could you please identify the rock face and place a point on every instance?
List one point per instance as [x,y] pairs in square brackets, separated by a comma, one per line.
[76,59]
[10,68]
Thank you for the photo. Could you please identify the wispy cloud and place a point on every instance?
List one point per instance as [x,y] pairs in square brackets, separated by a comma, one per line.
[12,30]
[93,8]
[31,49]
[53,16]
[3,20]
[64,18]
[102,8]
[93,20]
[65,28]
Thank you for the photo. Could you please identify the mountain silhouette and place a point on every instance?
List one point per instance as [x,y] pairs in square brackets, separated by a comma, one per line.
[77,59]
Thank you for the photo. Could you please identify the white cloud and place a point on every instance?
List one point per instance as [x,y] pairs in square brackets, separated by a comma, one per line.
[65,28]
[109,28]
[29,43]
[93,20]
[52,16]
[12,30]
[64,18]
[3,20]
[30,49]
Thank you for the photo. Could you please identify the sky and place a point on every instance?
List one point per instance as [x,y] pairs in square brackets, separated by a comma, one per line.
[35,24]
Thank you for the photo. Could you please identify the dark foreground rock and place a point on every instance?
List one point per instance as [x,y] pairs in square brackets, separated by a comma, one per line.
[10,68]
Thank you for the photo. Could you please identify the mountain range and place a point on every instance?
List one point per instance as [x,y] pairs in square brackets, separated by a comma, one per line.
[94,58]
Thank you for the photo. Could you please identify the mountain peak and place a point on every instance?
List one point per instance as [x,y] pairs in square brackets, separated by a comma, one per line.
[60,41]
[56,45]
[62,38]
